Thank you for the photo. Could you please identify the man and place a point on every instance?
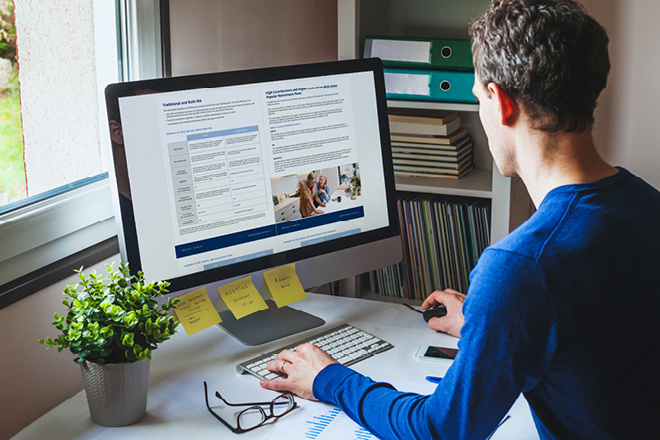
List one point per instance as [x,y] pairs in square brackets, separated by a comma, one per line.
[566,308]
[309,192]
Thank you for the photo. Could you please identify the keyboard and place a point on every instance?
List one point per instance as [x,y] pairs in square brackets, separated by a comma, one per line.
[346,343]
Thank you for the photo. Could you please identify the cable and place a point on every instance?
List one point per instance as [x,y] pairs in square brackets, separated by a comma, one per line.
[412,308]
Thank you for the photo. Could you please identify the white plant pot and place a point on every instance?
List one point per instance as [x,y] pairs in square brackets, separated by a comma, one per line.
[116,393]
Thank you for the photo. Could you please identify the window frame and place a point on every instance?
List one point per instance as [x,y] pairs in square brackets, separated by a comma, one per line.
[43,235]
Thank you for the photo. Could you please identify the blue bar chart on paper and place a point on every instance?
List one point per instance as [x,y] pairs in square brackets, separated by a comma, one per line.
[327,426]
[319,421]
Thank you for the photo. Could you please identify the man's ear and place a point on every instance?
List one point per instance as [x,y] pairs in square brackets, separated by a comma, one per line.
[506,105]
[116,133]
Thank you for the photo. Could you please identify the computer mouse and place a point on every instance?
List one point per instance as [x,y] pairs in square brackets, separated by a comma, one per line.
[437,312]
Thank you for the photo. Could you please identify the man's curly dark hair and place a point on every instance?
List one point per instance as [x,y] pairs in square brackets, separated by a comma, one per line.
[549,55]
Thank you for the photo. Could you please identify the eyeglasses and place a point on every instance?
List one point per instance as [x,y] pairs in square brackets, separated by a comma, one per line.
[254,416]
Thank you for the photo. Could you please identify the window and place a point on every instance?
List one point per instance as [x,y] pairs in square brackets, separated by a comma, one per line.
[68,52]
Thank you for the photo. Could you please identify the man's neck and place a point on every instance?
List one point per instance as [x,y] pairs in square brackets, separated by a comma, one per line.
[548,161]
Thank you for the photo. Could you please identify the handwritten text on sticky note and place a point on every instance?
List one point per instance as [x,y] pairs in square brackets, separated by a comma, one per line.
[196,311]
[242,297]
[284,285]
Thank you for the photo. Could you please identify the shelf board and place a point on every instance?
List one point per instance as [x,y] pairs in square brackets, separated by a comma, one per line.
[478,183]
[378,297]
[452,106]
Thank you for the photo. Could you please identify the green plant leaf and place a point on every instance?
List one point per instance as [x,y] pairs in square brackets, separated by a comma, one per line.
[108,319]
[131,320]
[127,339]
[107,332]
[73,334]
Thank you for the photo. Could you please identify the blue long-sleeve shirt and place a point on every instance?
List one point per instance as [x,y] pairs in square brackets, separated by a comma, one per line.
[565,309]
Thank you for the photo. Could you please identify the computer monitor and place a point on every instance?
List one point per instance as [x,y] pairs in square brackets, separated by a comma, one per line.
[213,180]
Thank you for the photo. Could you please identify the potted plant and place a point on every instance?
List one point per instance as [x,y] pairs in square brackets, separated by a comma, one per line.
[113,324]
[356,186]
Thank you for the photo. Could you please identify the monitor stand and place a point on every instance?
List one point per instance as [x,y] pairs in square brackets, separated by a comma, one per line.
[268,325]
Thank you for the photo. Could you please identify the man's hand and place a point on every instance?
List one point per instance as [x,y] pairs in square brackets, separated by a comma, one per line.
[300,367]
[453,301]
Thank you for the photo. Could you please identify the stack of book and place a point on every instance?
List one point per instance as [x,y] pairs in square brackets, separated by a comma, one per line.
[429,143]
[443,236]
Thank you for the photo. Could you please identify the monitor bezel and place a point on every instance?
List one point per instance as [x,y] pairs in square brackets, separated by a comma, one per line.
[130,248]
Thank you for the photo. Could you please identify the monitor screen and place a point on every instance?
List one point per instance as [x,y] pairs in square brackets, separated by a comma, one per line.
[222,175]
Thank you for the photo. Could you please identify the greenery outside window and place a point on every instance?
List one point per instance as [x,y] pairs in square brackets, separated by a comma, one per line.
[12,171]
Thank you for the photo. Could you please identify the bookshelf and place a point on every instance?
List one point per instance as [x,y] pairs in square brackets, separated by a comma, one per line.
[439,19]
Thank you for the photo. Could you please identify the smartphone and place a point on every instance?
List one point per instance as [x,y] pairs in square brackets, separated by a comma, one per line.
[436,354]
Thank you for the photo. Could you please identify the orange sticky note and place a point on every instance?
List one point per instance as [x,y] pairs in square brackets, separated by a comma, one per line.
[196,311]
[284,285]
[242,297]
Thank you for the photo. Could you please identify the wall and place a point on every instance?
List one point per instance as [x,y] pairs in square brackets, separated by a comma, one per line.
[59,105]
[35,380]
[333,180]
[222,35]
[626,123]
[285,185]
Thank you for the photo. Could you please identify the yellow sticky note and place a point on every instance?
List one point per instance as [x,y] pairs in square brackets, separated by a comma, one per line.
[196,311]
[242,297]
[284,285]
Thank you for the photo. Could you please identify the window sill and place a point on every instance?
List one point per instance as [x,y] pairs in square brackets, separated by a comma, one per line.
[47,238]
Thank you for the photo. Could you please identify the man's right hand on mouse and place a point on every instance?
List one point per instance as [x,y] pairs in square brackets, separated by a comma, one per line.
[453,301]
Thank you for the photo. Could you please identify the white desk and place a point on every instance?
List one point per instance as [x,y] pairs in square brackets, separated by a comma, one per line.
[176,408]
